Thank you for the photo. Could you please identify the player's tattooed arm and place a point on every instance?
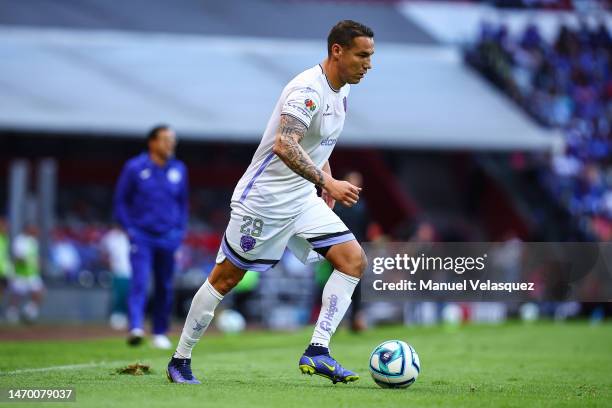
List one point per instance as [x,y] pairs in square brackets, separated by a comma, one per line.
[287,147]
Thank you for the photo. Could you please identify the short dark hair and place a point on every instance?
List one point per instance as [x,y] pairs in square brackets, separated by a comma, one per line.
[152,135]
[344,32]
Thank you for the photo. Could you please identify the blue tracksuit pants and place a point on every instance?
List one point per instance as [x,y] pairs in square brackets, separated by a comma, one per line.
[147,260]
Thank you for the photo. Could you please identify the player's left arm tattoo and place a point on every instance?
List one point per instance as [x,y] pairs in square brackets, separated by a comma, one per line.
[287,147]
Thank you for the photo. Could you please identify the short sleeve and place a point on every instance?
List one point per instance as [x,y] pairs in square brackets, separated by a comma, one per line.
[303,104]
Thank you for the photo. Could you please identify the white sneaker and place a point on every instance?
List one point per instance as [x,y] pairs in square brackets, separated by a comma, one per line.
[161,341]
[135,337]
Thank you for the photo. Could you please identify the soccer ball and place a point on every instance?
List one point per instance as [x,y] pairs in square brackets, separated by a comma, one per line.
[230,321]
[394,364]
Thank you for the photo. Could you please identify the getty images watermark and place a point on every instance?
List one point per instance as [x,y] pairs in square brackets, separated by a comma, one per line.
[468,271]
[422,263]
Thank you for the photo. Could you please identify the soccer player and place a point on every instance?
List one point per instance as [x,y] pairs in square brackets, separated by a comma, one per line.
[275,205]
[151,206]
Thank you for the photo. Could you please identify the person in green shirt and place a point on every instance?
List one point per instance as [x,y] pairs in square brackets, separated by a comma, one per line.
[25,285]
[6,268]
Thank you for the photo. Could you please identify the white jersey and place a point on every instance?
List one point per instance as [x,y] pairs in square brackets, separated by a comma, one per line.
[117,245]
[268,187]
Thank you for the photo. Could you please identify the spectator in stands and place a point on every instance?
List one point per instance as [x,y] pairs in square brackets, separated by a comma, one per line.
[568,85]
[151,206]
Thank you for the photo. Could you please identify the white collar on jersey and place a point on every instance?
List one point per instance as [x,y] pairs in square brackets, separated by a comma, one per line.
[330,85]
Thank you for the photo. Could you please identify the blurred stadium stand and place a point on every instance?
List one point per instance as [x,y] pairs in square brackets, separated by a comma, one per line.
[191,80]
[299,20]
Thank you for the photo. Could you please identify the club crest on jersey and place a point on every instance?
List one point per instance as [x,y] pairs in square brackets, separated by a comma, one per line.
[310,105]
[145,174]
[247,243]
[174,176]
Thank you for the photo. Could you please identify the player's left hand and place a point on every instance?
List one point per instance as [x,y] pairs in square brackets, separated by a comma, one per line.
[329,200]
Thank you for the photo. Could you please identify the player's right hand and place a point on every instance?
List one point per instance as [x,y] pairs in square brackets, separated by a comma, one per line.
[343,192]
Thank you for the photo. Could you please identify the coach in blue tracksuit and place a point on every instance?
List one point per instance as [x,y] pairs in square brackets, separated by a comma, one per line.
[151,205]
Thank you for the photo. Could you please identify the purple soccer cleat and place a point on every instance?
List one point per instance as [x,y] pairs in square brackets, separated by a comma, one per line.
[179,371]
[325,366]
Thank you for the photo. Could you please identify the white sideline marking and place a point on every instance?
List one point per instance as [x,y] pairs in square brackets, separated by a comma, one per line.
[62,367]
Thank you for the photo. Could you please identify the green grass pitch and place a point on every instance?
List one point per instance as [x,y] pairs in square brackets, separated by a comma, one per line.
[511,365]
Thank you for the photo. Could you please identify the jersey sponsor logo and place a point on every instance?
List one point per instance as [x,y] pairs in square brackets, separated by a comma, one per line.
[174,176]
[247,243]
[145,174]
[310,105]
[329,141]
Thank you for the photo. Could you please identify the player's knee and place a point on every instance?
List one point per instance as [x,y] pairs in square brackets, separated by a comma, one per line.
[360,264]
[364,263]
[356,263]
[226,283]
[224,286]
[225,276]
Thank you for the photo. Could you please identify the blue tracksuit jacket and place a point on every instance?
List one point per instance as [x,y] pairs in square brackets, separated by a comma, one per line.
[151,201]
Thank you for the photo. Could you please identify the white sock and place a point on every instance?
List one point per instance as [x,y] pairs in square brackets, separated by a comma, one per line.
[336,300]
[200,314]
